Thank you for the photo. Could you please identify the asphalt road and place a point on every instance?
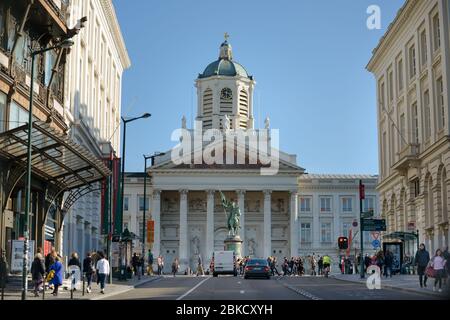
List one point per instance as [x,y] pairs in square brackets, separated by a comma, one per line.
[277,288]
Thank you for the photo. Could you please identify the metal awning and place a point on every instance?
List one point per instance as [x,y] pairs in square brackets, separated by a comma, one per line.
[55,157]
[401,235]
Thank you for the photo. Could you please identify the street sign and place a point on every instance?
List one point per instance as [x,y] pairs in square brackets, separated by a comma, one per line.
[375,235]
[411,226]
[355,223]
[376,244]
[150,231]
[368,214]
[373,224]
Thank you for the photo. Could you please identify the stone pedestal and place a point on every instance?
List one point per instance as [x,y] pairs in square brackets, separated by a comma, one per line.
[234,243]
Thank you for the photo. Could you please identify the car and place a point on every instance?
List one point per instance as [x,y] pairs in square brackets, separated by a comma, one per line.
[257,268]
[223,262]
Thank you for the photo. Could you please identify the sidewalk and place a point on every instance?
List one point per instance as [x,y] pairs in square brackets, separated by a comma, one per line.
[117,287]
[400,282]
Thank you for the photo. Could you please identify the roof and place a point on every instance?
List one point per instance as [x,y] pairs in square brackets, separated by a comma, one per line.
[223,67]
[55,157]
[309,176]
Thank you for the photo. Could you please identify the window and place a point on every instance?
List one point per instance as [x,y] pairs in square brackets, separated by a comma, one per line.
[325,204]
[347,204]
[391,86]
[305,232]
[383,155]
[423,47]
[368,204]
[325,232]
[436,32]
[305,204]
[50,59]
[426,103]
[393,135]
[402,131]
[17,116]
[125,203]
[2,108]
[440,100]
[415,123]
[412,62]
[141,204]
[416,186]
[346,226]
[3,33]
[400,75]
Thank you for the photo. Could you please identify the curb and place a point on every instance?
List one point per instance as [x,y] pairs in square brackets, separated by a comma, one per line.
[125,289]
[396,288]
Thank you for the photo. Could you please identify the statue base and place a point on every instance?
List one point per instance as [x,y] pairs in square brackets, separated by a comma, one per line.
[234,243]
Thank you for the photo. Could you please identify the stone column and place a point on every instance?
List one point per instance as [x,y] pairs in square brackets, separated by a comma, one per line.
[267,223]
[209,224]
[241,204]
[315,207]
[156,213]
[183,244]
[294,223]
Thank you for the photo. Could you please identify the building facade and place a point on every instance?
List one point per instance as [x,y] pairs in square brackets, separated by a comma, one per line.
[93,108]
[328,206]
[58,164]
[411,65]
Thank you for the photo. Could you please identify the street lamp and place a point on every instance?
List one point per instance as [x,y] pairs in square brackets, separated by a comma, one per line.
[156,154]
[63,45]
[125,121]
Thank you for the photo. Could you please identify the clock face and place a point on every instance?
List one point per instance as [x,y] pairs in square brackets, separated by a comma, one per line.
[226,94]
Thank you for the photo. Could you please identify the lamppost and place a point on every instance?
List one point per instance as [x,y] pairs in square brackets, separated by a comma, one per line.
[156,154]
[67,43]
[63,45]
[125,121]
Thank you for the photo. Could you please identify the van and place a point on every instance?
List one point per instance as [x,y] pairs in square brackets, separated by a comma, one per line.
[224,262]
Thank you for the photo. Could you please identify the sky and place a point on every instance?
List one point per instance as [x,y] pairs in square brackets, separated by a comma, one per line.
[308,59]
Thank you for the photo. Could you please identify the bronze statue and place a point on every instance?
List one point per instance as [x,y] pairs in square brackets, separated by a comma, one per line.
[233,215]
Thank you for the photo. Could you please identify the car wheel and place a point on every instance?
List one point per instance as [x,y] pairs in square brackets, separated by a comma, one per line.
[268,277]
[245,277]
[215,275]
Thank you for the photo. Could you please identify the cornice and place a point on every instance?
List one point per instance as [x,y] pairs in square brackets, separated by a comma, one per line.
[114,27]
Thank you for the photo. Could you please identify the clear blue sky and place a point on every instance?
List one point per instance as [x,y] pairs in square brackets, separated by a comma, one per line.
[308,58]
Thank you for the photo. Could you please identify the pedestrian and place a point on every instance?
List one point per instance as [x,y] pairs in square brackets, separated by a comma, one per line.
[438,264]
[320,265]
[56,271]
[200,270]
[150,263]
[367,262]
[175,266]
[313,265]
[37,272]
[421,260]
[135,264]
[388,261]
[89,270]
[50,259]
[103,271]
[160,263]
[446,256]
[74,260]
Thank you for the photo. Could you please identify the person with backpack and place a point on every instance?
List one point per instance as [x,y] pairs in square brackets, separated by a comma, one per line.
[88,270]
[438,263]
[421,260]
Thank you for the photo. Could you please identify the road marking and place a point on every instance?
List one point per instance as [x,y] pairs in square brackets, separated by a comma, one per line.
[300,291]
[192,289]
[242,292]
[239,282]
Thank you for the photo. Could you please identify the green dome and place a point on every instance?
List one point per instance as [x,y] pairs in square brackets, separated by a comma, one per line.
[223,67]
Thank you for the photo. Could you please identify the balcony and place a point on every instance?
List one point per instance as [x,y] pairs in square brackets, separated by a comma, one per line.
[408,158]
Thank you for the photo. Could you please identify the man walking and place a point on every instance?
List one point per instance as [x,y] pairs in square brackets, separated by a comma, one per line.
[422,258]
[150,263]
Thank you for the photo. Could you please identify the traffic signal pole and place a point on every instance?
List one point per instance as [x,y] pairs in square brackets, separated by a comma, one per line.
[361,197]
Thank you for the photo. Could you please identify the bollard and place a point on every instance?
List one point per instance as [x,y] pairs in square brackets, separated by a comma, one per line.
[43,287]
[71,294]
[83,285]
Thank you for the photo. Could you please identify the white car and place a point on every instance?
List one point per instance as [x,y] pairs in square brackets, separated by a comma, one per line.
[224,262]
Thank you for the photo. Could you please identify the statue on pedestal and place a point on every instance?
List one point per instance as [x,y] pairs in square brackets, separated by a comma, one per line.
[233,215]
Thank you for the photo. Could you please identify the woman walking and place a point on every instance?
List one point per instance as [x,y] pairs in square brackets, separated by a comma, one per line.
[175,266]
[37,272]
[57,269]
[438,264]
[421,260]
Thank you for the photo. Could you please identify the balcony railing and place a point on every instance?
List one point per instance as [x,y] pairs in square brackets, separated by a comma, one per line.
[408,157]
[60,8]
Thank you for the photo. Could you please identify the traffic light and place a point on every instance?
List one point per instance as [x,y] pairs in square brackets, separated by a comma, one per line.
[343,242]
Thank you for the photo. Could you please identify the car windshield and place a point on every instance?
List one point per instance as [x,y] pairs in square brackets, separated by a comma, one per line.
[257,262]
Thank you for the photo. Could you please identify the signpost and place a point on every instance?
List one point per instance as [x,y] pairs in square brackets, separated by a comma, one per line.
[376,244]
[373,224]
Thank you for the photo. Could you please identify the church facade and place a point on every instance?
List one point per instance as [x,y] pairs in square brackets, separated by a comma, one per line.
[185,202]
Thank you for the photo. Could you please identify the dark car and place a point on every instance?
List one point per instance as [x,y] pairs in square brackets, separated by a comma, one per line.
[257,268]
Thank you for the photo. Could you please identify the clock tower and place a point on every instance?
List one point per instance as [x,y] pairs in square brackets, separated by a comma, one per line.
[225,93]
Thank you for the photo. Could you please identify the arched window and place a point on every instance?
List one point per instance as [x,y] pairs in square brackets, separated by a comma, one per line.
[243,109]
[207,108]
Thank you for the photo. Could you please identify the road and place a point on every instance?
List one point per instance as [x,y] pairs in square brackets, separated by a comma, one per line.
[277,288]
